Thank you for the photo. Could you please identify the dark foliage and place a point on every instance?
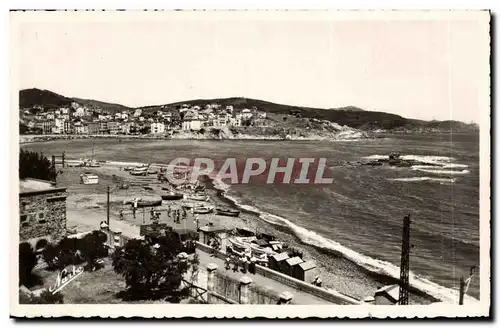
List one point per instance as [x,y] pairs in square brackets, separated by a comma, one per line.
[92,248]
[75,251]
[27,261]
[45,297]
[152,272]
[35,165]
[61,255]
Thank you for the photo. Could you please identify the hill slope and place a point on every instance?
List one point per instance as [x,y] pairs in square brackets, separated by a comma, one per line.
[350,116]
[47,99]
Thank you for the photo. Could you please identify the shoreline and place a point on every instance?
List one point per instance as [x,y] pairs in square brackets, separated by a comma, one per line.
[27,139]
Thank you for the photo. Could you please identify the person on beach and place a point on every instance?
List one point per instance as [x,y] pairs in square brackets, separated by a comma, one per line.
[168,211]
[121,215]
[235,267]
[245,265]
[317,281]
[252,265]
[227,263]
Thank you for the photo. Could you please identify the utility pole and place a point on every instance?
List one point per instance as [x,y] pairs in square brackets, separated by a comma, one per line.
[462,291]
[464,285]
[405,263]
[108,208]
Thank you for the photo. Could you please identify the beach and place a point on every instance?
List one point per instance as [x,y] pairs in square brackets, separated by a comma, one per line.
[350,229]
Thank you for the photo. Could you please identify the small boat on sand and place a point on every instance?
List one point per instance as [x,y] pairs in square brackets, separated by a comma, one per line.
[128,168]
[227,211]
[202,209]
[188,204]
[172,196]
[198,197]
[144,203]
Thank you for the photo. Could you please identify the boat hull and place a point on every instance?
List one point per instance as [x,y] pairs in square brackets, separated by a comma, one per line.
[172,197]
[227,212]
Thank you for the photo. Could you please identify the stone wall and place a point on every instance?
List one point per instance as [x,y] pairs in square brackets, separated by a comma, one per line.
[42,215]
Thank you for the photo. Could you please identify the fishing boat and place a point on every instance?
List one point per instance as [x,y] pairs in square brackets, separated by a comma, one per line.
[185,204]
[227,211]
[198,197]
[172,196]
[152,171]
[202,209]
[144,203]
[248,243]
[139,171]
[128,168]
[91,163]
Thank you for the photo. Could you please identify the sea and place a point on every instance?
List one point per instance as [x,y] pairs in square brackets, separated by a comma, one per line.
[353,226]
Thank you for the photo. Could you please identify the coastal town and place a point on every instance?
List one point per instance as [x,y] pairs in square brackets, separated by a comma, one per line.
[85,120]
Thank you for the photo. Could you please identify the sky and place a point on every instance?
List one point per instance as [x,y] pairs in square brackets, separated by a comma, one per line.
[418,66]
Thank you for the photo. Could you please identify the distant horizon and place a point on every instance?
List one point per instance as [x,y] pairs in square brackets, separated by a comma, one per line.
[422,66]
[242,97]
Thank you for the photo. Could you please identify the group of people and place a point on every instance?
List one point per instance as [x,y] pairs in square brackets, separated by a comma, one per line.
[177,214]
[245,262]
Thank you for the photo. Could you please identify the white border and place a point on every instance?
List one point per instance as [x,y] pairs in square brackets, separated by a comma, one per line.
[292,311]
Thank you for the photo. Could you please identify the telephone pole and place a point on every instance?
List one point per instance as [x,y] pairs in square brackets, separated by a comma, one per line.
[107,221]
[405,263]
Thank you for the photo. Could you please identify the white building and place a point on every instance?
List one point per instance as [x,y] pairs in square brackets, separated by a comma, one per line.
[138,112]
[157,127]
[58,126]
[246,114]
[230,108]
[79,112]
[64,110]
[191,121]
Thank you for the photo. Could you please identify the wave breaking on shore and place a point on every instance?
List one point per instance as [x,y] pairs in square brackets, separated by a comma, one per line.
[311,238]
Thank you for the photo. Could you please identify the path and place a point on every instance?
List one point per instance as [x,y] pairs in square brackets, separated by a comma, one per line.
[298,296]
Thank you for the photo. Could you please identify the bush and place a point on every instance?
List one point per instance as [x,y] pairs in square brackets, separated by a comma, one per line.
[92,248]
[152,272]
[45,297]
[27,261]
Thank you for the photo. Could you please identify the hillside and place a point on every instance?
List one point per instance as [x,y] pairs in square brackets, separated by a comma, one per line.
[351,116]
[48,99]
[100,104]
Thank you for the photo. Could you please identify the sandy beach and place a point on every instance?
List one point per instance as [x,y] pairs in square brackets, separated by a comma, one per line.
[87,204]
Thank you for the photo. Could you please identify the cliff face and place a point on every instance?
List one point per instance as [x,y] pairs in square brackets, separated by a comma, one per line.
[270,133]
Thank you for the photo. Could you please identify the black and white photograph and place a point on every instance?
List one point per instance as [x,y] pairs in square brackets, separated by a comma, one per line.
[191,163]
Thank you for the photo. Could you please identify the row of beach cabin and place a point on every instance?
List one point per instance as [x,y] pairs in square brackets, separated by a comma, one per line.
[293,266]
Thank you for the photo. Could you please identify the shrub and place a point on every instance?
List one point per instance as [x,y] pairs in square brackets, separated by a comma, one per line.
[27,261]
[45,297]
[152,272]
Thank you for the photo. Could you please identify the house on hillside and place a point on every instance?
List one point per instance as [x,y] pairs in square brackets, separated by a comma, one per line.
[114,127]
[93,127]
[138,112]
[191,121]
[157,127]
[246,114]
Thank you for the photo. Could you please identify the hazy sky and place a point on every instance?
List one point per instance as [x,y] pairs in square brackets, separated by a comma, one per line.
[420,68]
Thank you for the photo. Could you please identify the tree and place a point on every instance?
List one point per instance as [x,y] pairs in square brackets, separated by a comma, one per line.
[152,271]
[61,255]
[35,165]
[27,261]
[92,248]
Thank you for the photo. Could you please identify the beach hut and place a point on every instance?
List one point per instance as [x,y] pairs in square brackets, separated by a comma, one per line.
[207,233]
[305,271]
[387,295]
[276,261]
[88,179]
[289,264]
